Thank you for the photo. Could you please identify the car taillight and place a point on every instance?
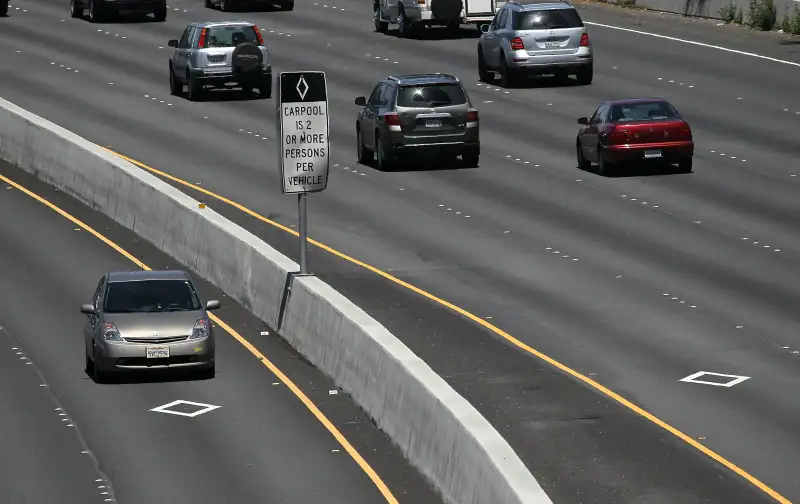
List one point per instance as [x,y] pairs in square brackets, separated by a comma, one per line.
[618,136]
[585,40]
[202,42]
[472,115]
[392,119]
[258,35]
[517,44]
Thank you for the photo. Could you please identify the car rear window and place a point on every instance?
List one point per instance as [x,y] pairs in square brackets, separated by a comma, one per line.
[549,19]
[643,111]
[150,296]
[431,95]
[230,36]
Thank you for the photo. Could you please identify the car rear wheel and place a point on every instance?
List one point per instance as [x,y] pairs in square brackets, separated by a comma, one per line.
[75,10]
[386,161]
[483,73]
[225,5]
[380,26]
[160,14]
[97,12]
[470,159]
[195,89]
[287,5]
[175,85]
[404,25]
[508,77]
[583,163]
[265,89]
[604,167]
[585,75]
[365,156]
[3,8]
[685,165]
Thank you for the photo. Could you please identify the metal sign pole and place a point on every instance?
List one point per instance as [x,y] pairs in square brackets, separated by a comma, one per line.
[304,155]
[301,213]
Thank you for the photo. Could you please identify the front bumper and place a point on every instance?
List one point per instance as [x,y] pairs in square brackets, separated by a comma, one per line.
[671,152]
[226,75]
[133,356]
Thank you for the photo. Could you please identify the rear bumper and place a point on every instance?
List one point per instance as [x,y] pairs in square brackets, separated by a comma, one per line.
[133,356]
[521,60]
[134,5]
[229,77]
[409,145]
[671,152]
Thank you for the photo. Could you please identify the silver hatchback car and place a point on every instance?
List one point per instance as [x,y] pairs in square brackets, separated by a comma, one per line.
[217,54]
[533,39]
[147,320]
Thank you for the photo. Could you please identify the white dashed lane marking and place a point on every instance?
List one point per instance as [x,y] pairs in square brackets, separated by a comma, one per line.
[382,58]
[328,6]
[672,81]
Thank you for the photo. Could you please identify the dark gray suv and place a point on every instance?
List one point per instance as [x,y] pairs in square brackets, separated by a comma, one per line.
[415,114]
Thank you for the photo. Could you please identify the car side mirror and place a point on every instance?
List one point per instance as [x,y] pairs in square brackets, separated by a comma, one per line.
[583,120]
[172,43]
[484,28]
[88,309]
[361,101]
[213,305]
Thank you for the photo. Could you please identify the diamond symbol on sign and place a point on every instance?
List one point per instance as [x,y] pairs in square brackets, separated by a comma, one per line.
[302,82]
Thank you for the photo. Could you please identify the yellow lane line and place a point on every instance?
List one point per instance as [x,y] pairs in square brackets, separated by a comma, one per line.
[511,339]
[376,479]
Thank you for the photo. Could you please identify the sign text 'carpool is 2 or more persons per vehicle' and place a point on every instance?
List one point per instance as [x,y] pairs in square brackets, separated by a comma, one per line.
[303,129]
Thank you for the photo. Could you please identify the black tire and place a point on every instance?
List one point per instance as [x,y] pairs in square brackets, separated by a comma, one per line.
[365,156]
[287,5]
[265,90]
[246,60]
[75,10]
[685,165]
[208,5]
[404,27]
[583,163]
[160,13]
[470,159]
[175,85]
[585,75]
[483,73]
[97,11]
[562,76]
[194,88]
[225,5]
[386,161]
[508,77]
[380,26]
[207,373]
[604,167]
[4,8]
[97,374]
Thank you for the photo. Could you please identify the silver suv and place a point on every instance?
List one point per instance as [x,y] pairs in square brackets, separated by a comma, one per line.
[218,54]
[533,39]
[415,114]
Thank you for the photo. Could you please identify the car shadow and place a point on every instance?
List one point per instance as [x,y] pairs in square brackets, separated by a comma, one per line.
[124,18]
[262,6]
[538,82]
[222,95]
[439,33]
[648,169]
[150,376]
[424,164]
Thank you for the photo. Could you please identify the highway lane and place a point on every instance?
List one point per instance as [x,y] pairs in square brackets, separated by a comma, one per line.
[73,440]
[635,238]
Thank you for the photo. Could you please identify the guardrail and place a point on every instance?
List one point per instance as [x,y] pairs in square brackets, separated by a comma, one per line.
[438,430]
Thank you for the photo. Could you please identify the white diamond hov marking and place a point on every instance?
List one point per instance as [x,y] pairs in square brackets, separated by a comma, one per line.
[302,82]
[204,408]
[736,379]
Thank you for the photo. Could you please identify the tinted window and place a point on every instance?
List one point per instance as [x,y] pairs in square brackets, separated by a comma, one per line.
[431,95]
[150,295]
[230,36]
[547,19]
[643,111]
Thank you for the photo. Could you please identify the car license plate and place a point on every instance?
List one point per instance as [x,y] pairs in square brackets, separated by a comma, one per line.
[433,123]
[552,44]
[157,352]
[652,154]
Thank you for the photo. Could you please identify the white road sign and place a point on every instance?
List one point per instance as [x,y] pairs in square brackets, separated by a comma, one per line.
[303,131]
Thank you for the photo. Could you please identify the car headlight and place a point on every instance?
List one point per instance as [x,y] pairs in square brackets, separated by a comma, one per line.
[110,332]
[200,330]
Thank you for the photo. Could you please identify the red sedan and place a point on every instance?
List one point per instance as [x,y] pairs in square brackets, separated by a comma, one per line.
[634,130]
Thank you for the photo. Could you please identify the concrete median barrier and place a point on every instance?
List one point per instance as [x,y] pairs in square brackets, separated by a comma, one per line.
[438,430]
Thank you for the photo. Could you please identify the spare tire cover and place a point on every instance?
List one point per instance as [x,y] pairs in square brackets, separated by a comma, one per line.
[247,58]
[447,10]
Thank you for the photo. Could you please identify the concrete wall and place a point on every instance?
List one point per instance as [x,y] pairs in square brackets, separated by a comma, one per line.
[438,430]
[710,8]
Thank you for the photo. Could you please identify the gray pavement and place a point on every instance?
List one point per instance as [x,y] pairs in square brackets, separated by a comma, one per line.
[61,432]
[637,281]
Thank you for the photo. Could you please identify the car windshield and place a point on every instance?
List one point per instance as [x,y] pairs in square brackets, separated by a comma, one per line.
[643,111]
[550,19]
[431,95]
[230,36]
[150,296]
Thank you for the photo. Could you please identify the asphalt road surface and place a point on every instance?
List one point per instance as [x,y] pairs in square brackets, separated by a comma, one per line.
[66,439]
[635,281]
